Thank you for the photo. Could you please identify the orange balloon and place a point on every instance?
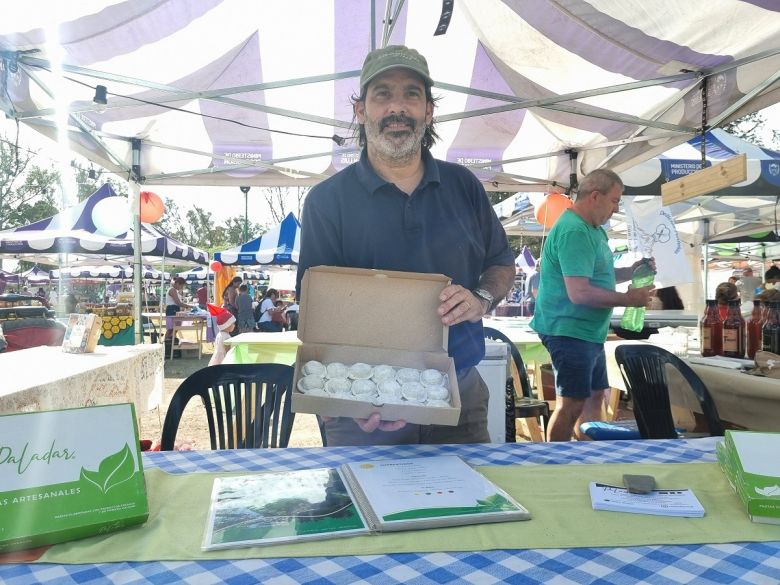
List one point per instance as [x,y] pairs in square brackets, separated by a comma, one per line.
[551,209]
[152,207]
[216,266]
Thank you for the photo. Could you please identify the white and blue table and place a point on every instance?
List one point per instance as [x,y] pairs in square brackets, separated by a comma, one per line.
[705,563]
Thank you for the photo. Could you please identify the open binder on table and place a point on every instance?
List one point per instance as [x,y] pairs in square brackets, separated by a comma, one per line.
[357,498]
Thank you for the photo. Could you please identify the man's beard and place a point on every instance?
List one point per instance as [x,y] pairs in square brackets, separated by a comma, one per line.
[399,145]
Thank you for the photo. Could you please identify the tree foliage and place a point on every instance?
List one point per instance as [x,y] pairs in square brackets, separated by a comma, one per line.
[752,128]
[283,200]
[89,180]
[234,231]
[27,191]
[199,229]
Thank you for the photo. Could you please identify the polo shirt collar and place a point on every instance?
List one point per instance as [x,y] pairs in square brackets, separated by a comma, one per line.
[371,181]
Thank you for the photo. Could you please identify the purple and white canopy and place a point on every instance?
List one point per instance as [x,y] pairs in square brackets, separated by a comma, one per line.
[243,92]
[74,231]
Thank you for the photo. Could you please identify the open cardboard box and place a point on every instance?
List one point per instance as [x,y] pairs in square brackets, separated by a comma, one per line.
[377,317]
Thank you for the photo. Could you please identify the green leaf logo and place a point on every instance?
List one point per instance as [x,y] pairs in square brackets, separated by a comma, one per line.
[113,470]
[770,490]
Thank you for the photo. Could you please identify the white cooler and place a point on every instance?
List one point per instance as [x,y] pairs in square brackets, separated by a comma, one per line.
[493,370]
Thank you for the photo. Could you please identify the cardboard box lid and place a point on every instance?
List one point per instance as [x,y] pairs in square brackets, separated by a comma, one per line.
[372,308]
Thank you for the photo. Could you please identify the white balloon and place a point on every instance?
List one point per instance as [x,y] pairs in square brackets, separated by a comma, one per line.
[111,216]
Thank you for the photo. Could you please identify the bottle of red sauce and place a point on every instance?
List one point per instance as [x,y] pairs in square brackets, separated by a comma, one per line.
[711,330]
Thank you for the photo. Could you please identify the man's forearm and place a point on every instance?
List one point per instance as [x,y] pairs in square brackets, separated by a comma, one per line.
[581,292]
[497,280]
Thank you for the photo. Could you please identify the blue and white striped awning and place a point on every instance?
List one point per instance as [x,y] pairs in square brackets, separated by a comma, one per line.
[279,245]
[742,209]
[200,273]
[35,275]
[115,271]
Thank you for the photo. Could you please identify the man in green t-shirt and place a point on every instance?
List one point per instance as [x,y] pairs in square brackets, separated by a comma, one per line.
[576,297]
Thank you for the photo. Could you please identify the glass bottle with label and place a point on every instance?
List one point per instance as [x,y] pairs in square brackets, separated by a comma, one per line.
[771,329]
[755,327]
[734,331]
[711,330]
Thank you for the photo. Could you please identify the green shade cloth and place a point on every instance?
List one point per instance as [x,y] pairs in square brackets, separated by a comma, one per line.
[556,495]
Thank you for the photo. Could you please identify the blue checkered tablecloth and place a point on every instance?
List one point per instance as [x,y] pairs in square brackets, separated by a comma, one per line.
[725,563]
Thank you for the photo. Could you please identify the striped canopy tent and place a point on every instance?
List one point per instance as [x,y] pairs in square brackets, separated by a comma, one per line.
[114,271]
[10,277]
[743,209]
[35,275]
[732,214]
[525,259]
[200,273]
[74,231]
[533,93]
[280,245]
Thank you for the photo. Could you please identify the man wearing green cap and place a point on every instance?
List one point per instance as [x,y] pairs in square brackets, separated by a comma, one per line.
[398,208]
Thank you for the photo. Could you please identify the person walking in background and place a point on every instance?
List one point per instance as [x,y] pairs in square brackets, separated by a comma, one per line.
[246,319]
[229,295]
[576,297]
[71,303]
[280,315]
[174,304]
[202,296]
[265,321]
[772,275]
[398,208]
[292,315]
[748,285]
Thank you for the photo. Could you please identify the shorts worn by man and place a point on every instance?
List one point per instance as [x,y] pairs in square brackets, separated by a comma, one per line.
[400,209]
[575,301]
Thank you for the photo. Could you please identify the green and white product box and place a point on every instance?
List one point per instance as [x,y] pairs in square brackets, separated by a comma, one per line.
[750,462]
[69,474]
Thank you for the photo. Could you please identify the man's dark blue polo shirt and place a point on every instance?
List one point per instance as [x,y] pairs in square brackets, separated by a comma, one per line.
[447,226]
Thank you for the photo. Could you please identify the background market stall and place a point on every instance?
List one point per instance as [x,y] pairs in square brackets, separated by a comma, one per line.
[117,326]
[95,229]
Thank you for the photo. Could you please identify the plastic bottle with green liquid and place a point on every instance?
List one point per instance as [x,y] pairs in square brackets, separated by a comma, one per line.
[634,317]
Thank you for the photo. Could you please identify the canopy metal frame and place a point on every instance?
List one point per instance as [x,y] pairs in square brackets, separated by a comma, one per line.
[568,103]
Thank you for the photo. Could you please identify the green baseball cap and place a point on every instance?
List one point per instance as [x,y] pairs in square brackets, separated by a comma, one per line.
[391,57]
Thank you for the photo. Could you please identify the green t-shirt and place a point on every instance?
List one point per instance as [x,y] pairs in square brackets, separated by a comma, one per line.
[573,248]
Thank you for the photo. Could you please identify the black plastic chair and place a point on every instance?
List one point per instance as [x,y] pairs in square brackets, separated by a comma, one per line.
[247,405]
[524,406]
[643,368]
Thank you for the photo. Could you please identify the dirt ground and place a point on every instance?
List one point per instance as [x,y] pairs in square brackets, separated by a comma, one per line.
[193,429]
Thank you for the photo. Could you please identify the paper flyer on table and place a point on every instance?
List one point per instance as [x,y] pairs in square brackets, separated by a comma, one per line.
[674,502]
[427,488]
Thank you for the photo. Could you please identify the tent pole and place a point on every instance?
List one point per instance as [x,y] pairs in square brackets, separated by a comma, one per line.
[706,257]
[135,205]
[163,292]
